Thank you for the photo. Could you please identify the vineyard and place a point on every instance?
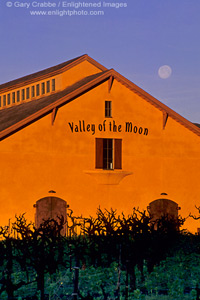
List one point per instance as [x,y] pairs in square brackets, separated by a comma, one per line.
[113,257]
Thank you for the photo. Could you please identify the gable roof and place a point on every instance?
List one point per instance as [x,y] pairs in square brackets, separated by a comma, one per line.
[17,117]
[52,71]
[155,102]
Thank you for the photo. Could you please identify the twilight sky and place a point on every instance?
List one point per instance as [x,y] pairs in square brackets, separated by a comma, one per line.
[135,39]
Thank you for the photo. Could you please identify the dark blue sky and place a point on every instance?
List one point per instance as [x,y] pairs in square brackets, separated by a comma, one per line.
[134,40]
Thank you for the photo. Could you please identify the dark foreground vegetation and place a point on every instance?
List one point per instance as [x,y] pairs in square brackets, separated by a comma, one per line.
[107,257]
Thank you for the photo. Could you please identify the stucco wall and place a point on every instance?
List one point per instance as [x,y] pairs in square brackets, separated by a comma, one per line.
[43,156]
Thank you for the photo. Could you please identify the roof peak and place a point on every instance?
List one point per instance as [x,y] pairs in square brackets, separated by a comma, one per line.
[51,71]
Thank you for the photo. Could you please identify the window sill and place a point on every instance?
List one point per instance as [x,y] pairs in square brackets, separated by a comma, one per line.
[108,177]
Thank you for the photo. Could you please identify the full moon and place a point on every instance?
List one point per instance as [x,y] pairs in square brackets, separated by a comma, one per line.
[164,72]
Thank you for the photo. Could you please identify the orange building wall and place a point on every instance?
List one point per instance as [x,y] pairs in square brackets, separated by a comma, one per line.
[43,156]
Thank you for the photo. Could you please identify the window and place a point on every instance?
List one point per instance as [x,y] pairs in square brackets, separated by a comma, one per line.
[23,94]
[108,154]
[33,91]
[18,96]
[13,97]
[43,88]
[4,100]
[108,109]
[27,93]
[48,86]
[37,90]
[8,99]
[53,85]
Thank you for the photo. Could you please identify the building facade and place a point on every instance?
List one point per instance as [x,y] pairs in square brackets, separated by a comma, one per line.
[95,138]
